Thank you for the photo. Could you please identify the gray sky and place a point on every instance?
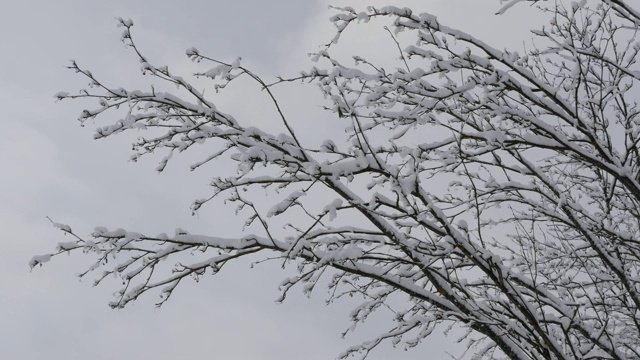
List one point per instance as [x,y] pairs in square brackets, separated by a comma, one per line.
[51,167]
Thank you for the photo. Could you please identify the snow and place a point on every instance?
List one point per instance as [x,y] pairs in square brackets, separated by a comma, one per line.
[39,260]
[332,208]
[461,133]
[125,22]
[63,227]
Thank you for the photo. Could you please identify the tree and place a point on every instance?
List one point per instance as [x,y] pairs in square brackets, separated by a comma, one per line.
[533,245]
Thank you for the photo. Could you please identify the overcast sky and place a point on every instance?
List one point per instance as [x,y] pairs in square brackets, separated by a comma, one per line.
[50,166]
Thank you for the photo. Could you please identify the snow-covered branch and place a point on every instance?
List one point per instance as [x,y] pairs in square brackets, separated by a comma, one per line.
[499,191]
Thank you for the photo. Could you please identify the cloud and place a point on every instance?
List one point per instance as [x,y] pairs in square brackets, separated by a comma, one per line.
[50,166]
